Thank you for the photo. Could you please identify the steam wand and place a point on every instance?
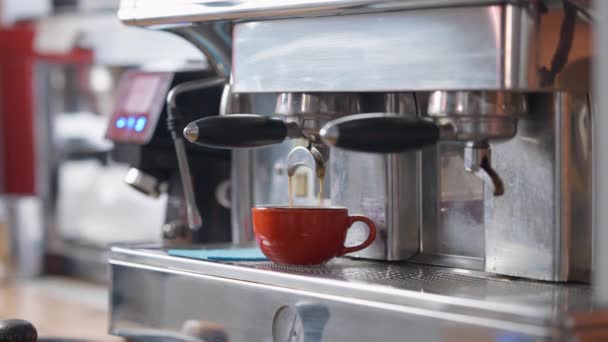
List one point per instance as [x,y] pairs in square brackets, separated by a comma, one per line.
[174,122]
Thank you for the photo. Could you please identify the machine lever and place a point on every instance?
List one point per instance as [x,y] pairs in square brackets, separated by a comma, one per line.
[239,131]
[380,133]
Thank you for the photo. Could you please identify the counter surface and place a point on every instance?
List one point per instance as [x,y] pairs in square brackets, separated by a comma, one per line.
[58,307]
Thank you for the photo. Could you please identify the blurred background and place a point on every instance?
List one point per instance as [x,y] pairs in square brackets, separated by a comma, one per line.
[89,114]
[63,199]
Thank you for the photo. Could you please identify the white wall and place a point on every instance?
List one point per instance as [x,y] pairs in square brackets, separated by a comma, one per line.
[113,42]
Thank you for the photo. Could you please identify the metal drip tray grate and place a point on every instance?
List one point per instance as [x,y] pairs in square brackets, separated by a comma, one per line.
[376,279]
[441,281]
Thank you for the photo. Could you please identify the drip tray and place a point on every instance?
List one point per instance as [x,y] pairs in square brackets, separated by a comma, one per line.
[369,279]
[442,281]
[153,290]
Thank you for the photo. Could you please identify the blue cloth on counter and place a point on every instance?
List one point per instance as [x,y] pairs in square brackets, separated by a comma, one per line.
[227,254]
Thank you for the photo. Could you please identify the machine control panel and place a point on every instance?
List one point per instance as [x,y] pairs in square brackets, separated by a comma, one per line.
[139,102]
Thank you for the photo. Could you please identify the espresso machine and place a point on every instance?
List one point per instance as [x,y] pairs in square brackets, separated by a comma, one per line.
[463,129]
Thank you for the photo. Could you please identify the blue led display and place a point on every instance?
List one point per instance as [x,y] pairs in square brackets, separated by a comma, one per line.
[130,123]
[121,122]
[140,124]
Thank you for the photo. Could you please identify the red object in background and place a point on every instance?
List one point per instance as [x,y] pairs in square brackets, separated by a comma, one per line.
[306,236]
[18,105]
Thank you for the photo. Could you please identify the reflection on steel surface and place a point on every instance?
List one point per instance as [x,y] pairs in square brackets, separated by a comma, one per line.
[365,300]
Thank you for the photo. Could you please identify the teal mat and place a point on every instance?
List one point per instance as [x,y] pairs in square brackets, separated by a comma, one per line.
[235,254]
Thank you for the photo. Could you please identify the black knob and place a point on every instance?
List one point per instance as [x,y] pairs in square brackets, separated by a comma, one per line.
[236,131]
[380,133]
[17,330]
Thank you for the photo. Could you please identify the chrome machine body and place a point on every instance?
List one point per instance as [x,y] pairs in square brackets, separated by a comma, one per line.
[482,164]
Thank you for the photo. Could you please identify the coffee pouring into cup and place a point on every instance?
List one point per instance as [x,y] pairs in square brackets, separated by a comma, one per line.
[306,235]
[291,235]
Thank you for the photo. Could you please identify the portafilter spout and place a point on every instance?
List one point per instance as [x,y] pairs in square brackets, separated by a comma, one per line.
[310,157]
[478,160]
[478,117]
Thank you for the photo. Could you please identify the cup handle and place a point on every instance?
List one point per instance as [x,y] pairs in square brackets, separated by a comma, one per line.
[370,238]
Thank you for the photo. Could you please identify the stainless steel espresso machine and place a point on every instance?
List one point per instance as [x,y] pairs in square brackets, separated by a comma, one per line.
[463,129]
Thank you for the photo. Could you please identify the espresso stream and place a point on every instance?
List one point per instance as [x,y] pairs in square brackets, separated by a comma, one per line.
[290,191]
[319,195]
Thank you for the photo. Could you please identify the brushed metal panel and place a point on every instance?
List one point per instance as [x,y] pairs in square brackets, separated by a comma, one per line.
[383,187]
[452,210]
[169,301]
[448,48]
[541,227]
[499,47]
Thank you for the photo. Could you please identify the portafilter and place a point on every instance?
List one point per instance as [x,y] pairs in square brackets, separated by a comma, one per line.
[472,117]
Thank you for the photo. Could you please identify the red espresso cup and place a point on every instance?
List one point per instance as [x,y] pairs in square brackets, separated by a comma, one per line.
[306,235]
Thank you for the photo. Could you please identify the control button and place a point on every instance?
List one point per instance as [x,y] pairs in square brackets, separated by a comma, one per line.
[304,322]
[130,123]
[140,124]
[121,122]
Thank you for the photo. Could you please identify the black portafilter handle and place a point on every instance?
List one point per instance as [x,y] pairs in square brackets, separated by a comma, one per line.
[17,330]
[236,131]
[379,133]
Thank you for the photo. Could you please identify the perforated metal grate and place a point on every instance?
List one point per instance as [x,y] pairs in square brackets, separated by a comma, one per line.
[442,281]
